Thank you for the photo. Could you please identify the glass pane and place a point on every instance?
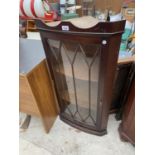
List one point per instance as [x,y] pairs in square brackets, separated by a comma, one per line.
[77,72]
[81,81]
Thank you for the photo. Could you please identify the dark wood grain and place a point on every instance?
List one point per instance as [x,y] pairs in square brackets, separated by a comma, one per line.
[108,28]
[119,86]
[127,127]
[111,33]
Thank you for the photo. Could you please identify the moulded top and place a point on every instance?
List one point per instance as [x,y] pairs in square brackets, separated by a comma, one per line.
[82,22]
[85,25]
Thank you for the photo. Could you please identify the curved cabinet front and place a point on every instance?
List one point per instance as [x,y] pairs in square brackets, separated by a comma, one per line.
[82,63]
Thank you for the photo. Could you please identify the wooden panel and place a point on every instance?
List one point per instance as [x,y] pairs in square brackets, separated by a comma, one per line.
[127,127]
[26,101]
[119,86]
[108,59]
[39,80]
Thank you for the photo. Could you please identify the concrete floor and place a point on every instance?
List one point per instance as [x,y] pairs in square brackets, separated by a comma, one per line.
[66,140]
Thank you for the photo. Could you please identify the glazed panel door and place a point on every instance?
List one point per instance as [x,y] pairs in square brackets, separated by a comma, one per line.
[82,63]
[75,67]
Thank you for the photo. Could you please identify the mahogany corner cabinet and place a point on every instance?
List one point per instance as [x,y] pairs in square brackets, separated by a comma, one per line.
[82,62]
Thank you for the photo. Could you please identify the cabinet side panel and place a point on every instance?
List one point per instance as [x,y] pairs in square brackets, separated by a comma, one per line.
[26,101]
[108,69]
[128,122]
[41,86]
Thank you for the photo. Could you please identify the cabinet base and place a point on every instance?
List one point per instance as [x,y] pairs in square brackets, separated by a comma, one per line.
[124,136]
[84,129]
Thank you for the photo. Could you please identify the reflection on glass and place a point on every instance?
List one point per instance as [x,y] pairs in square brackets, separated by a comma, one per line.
[77,70]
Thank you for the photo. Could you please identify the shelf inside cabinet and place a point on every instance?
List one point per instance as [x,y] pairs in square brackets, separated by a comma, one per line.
[80,68]
[80,95]
[88,8]
[81,74]
[82,87]
[82,114]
